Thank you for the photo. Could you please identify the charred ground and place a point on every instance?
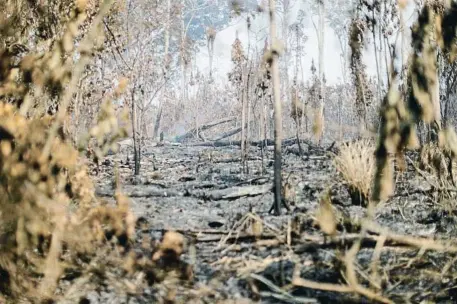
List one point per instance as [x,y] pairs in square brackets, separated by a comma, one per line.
[239,251]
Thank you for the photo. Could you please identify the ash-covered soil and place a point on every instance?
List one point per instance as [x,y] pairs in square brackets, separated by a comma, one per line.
[241,254]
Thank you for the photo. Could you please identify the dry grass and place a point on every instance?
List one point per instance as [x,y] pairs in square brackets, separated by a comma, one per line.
[356,164]
[437,161]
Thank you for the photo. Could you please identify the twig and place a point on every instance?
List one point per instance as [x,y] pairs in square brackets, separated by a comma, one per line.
[375,260]
[352,277]
[297,281]
[191,231]
[280,294]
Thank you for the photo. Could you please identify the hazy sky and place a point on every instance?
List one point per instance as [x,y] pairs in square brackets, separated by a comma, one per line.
[224,39]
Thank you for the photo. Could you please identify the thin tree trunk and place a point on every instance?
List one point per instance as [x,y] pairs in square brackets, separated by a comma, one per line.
[381,49]
[183,64]
[136,148]
[197,112]
[344,91]
[277,112]
[248,127]
[320,120]
[157,122]
[243,118]
[378,72]
[387,56]
[165,68]
[262,127]
[211,36]
[303,94]
[403,43]
[264,130]
[285,37]
[436,105]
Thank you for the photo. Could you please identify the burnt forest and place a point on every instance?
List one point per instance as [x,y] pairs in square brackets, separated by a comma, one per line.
[218,151]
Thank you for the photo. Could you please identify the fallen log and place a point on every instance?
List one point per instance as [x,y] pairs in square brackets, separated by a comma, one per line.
[227,134]
[232,193]
[235,160]
[194,132]
[286,143]
[140,191]
[219,143]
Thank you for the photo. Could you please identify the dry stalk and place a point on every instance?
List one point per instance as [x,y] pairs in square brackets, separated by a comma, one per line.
[375,261]
[352,277]
[418,242]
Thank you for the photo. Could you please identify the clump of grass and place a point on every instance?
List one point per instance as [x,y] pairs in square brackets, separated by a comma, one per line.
[437,161]
[356,164]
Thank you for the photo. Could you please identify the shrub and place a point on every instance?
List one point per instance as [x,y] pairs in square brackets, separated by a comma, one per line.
[356,164]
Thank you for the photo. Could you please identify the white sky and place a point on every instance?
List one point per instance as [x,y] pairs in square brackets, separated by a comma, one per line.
[224,39]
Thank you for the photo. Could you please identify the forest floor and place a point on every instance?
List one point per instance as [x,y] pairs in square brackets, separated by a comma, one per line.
[240,252]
